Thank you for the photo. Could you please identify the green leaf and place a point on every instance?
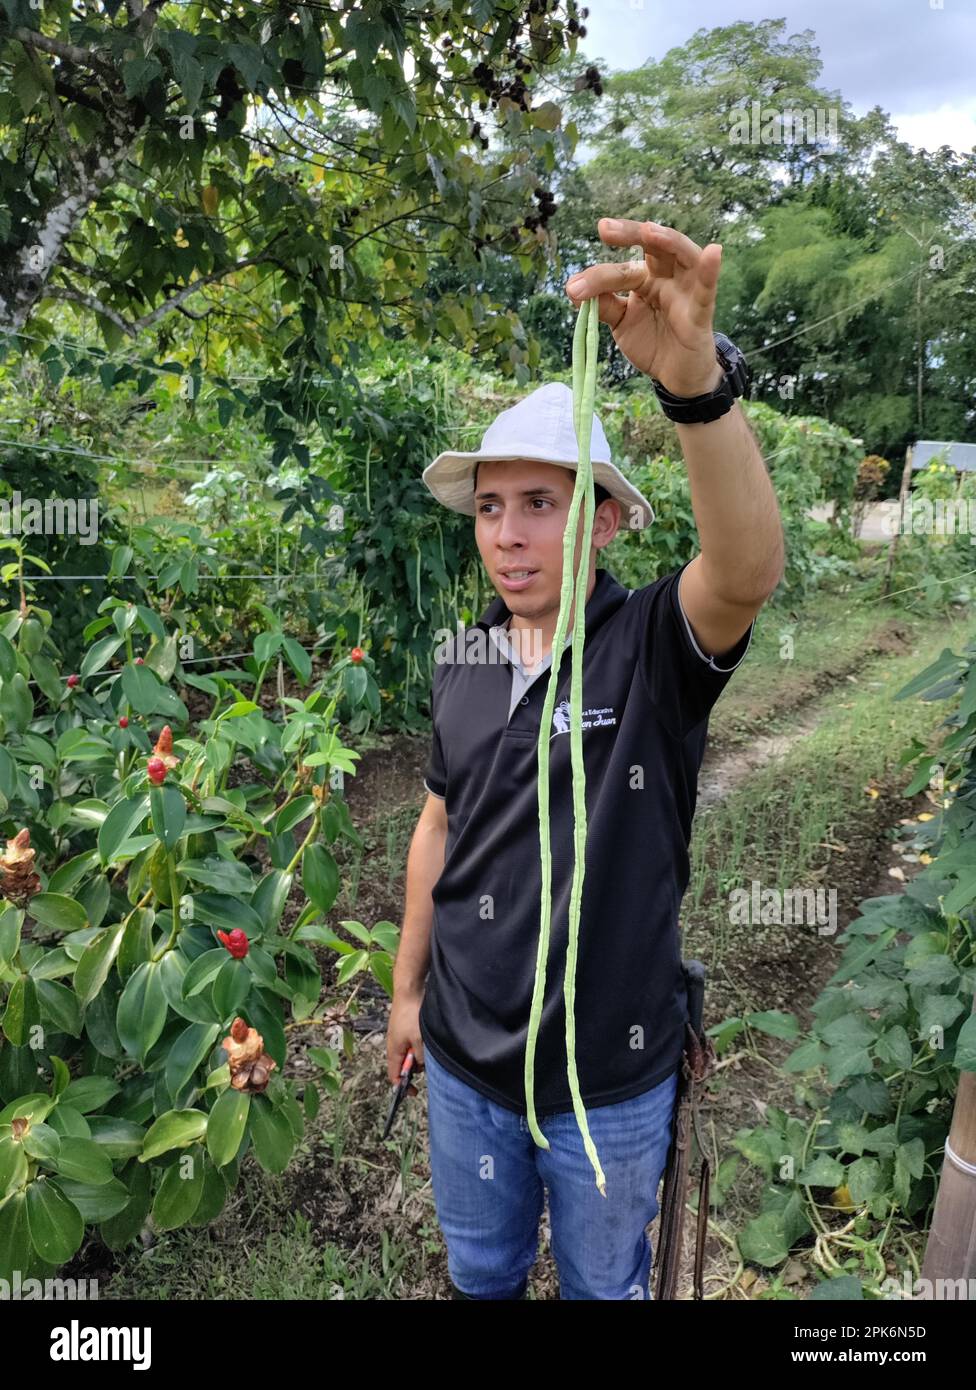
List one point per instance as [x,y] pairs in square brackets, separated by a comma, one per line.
[118,1230]
[77,745]
[895,1046]
[16,703]
[225,875]
[36,1107]
[119,825]
[225,1129]
[177,1129]
[187,1053]
[120,1139]
[231,988]
[168,810]
[47,676]
[55,1224]
[95,1202]
[88,1093]
[774,1022]
[298,659]
[83,1161]
[841,1288]
[270,897]
[59,1005]
[824,1171]
[965,1058]
[763,1240]
[141,688]
[8,775]
[202,971]
[22,1012]
[351,965]
[142,1011]
[289,816]
[189,75]
[320,877]
[219,910]
[271,1135]
[96,961]
[8,659]
[11,922]
[16,1250]
[179,1192]
[138,73]
[121,560]
[848,1059]
[13,1165]
[58,912]
[265,646]
[381,964]
[100,654]
[863,1179]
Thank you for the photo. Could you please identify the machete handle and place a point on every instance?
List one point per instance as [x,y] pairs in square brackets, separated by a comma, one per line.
[694,973]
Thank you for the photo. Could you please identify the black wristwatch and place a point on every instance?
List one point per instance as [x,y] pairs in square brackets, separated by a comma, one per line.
[698,410]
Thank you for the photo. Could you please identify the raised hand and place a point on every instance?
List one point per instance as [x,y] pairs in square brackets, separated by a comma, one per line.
[664,324]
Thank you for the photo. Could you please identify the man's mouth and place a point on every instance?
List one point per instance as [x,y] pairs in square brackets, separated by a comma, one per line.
[516,578]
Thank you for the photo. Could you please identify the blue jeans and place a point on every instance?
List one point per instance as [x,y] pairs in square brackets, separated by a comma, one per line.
[488,1176]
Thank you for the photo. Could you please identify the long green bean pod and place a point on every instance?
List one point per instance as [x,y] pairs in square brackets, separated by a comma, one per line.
[586,345]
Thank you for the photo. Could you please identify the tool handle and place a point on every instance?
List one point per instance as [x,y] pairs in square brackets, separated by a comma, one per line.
[694,973]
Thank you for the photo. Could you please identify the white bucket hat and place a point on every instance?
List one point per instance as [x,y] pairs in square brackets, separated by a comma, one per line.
[540,426]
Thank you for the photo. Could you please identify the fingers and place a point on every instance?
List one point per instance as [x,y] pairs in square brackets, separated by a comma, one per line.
[597,280]
[660,240]
[706,284]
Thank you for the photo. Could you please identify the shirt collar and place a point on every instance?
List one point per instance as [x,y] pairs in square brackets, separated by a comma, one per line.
[607,596]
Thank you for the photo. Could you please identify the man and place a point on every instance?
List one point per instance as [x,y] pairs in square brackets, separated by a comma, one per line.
[655,660]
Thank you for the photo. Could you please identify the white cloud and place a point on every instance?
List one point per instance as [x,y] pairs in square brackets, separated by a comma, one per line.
[948,125]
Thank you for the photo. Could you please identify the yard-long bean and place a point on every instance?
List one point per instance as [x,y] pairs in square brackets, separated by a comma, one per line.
[586,344]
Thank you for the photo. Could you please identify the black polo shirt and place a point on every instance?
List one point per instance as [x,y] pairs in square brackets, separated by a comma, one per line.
[647,693]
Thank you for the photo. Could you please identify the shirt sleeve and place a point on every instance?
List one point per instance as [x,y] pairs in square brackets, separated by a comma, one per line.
[681,680]
[435,773]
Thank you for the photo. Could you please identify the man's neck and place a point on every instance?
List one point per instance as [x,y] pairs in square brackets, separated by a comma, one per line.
[533,637]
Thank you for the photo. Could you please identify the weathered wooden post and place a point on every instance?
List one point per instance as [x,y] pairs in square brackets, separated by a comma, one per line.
[906,478]
[950,1253]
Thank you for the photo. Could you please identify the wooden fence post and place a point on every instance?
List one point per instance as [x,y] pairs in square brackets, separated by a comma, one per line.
[906,478]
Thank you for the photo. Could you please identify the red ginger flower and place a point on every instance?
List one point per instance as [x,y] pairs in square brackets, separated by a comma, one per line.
[250,1066]
[236,942]
[356,655]
[164,748]
[157,770]
[18,881]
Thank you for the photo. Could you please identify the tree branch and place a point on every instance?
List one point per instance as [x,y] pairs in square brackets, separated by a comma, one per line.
[132,327]
[67,52]
[90,302]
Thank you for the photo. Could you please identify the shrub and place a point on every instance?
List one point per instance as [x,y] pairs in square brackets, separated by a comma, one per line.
[148,966]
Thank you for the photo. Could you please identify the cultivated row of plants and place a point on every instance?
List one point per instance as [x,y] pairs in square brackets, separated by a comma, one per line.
[850,1179]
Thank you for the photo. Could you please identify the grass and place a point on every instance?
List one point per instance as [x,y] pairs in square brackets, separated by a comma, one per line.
[780,824]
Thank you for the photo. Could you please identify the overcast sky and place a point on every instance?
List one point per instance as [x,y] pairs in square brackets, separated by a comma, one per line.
[915,61]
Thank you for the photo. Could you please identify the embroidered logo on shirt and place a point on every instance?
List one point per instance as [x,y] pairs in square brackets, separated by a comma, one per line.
[592,718]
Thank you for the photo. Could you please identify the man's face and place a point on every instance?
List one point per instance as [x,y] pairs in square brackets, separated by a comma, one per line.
[521,510]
